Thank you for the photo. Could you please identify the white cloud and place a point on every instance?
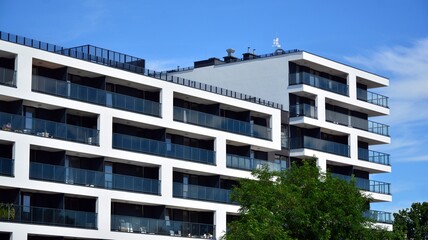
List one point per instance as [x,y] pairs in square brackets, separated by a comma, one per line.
[407,68]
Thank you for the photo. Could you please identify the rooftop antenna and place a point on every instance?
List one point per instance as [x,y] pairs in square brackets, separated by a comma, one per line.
[276,43]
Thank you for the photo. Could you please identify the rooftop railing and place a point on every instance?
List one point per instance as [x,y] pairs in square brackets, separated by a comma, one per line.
[379,216]
[320,145]
[149,146]
[318,82]
[249,164]
[367,184]
[131,64]
[50,216]
[303,110]
[6,167]
[203,193]
[90,178]
[360,123]
[162,227]
[48,129]
[95,96]
[7,77]
[222,123]
[276,53]
[373,98]
[373,156]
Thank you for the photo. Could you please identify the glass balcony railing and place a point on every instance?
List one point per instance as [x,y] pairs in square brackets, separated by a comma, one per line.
[50,216]
[320,145]
[367,184]
[303,110]
[360,123]
[378,128]
[162,227]
[159,148]
[90,178]
[6,167]
[7,77]
[372,98]
[338,118]
[373,156]
[249,164]
[204,193]
[318,82]
[221,123]
[95,96]
[48,129]
[379,216]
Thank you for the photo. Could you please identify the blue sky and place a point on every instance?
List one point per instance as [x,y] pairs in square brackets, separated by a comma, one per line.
[388,37]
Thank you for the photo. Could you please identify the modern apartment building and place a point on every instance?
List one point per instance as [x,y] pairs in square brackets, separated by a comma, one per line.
[331,108]
[95,146]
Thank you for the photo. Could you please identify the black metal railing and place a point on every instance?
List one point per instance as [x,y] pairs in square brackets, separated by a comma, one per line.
[129,63]
[276,53]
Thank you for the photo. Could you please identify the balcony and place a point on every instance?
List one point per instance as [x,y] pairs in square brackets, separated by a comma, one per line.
[48,129]
[203,193]
[90,178]
[50,216]
[367,184]
[249,164]
[373,156]
[161,227]
[379,216]
[318,82]
[355,122]
[303,110]
[372,98]
[320,145]
[95,96]
[163,149]
[6,167]
[222,123]
[7,77]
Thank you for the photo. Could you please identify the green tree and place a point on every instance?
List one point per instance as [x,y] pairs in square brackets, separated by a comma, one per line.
[412,223]
[300,203]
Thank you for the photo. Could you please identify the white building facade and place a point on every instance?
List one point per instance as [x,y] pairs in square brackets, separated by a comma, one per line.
[331,107]
[95,146]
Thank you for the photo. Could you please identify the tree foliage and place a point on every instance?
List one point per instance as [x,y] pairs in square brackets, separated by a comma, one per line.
[300,203]
[412,223]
